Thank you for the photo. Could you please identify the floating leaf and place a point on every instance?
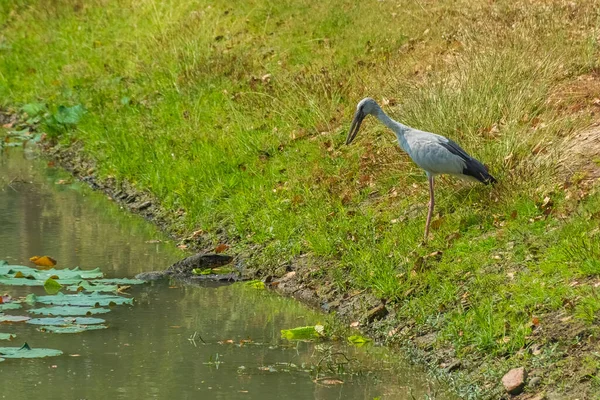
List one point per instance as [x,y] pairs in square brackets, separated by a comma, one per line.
[7,336]
[9,306]
[76,274]
[71,328]
[85,286]
[61,321]
[13,318]
[27,352]
[80,299]
[358,340]
[69,310]
[51,286]
[11,281]
[300,333]
[255,284]
[43,261]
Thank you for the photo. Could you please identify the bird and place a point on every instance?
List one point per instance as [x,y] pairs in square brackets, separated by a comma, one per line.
[433,153]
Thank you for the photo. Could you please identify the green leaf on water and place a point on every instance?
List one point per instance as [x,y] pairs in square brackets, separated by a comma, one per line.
[7,336]
[13,318]
[51,286]
[27,352]
[71,328]
[36,277]
[85,286]
[80,299]
[255,284]
[9,306]
[62,321]
[104,285]
[303,333]
[67,311]
[25,281]
[358,340]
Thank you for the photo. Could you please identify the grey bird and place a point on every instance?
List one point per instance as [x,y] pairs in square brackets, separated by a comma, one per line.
[434,153]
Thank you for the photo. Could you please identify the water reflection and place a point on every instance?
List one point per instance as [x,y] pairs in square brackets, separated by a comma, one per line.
[176,342]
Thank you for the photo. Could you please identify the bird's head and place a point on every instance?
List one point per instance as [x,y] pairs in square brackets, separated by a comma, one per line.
[365,107]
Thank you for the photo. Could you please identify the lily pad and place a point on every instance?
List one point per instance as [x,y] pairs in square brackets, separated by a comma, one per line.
[255,284]
[51,286]
[62,321]
[85,286]
[69,310]
[7,336]
[27,352]
[12,281]
[9,306]
[13,318]
[59,274]
[70,328]
[80,299]
[302,333]
[358,340]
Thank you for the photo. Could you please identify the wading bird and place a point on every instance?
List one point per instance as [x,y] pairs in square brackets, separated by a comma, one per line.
[433,153]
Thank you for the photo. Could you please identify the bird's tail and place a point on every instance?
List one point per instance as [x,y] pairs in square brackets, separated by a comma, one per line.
[478,171]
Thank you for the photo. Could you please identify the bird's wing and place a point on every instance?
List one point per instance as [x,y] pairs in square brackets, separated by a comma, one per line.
[473,167]
[453,148]
[440,155]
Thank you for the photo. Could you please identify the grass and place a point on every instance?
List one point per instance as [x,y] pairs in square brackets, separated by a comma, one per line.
[236,115]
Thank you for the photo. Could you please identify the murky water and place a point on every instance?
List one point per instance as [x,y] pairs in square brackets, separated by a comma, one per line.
[176,342]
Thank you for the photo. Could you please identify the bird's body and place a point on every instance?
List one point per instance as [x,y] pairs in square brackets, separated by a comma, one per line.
[433,153]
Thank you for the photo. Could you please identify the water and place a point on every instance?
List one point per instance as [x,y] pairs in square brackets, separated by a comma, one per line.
[176,342]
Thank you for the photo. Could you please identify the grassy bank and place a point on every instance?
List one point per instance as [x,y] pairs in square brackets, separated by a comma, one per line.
[234,116]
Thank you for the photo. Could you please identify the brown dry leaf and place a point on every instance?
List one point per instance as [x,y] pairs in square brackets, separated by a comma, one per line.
[123,288]
[513,214]
[43,261]
[221,248]
[354,324]
[505,339]
[535,321]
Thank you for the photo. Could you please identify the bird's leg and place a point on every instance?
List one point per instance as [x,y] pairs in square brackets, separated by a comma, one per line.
[431,204]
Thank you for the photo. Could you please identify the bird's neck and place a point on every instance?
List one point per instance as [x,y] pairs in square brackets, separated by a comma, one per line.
[398,128]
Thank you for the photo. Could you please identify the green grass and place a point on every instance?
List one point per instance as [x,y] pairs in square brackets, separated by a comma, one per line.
[237,116]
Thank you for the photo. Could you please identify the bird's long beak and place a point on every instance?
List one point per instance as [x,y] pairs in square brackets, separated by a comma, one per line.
[358,119]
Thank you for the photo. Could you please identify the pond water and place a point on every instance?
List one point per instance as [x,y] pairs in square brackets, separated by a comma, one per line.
[176,342]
